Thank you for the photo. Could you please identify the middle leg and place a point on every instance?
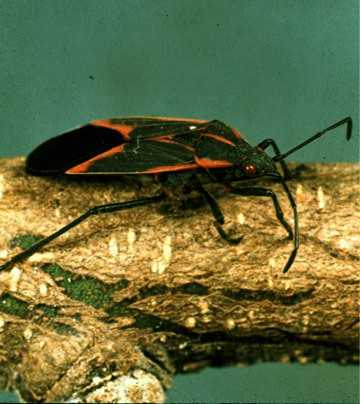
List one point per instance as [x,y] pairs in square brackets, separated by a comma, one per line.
[218,215]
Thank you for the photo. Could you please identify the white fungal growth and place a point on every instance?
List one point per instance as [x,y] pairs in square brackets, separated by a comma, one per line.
[113,246]
[306,320]
[96,380]
[287,284]
[303,360]
[28,333]
[159,266]
[190,322]
[2,324]
[43,289]
[344,244]
[241,218]
[192,127]
[321,198]
[135,387]
[154,267]
[272,263]
[15,275]
[131,238]
[204,306]
[206,319]
[251,314]
[167,249]
[299,191]
[2,186]
[230,323]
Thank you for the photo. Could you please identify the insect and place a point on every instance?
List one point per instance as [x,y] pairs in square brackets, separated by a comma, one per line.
[182,154]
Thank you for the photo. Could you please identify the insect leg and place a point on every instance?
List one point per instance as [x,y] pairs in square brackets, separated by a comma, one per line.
[296,227]
[271,142]
[260,191]
[111,207]
[218,215]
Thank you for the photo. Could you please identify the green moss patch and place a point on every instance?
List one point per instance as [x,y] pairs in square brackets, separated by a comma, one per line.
[24,241]
[86,289]
[13,306]
[192,288]
[48,310]
[64,329]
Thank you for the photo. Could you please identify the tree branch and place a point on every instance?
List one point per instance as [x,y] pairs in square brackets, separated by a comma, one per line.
[114,308]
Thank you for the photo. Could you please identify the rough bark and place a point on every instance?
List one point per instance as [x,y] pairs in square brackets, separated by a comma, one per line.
[114,308]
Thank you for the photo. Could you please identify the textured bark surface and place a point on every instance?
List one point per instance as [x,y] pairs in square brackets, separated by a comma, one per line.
[114,308]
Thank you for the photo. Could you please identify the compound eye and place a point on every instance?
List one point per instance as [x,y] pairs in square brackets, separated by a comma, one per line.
[250,169]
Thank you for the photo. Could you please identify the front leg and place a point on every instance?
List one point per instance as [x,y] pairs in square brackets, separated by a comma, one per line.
[217,213]
[261,191]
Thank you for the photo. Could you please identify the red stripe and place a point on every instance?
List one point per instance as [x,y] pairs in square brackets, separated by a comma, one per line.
[219,138]
[165,169]
[84,167]
[123,129]
[208,163]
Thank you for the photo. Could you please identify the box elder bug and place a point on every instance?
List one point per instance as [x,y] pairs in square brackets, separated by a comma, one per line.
[179,153]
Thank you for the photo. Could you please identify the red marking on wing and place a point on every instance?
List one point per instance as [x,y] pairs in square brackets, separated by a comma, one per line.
[219,138]
[166,169]
[84,167]
[163,139]
[125,130]
[237,133]
[208,163]
[169,118]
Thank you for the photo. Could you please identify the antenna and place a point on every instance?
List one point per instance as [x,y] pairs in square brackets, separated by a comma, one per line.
[347,121]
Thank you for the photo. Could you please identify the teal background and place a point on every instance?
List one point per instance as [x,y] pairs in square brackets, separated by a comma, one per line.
[271,68]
